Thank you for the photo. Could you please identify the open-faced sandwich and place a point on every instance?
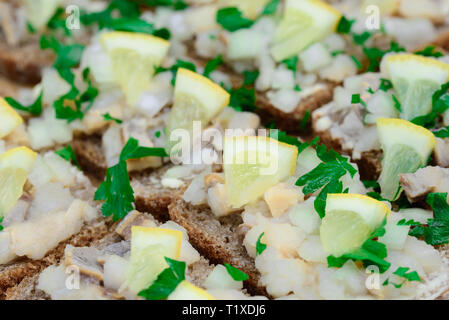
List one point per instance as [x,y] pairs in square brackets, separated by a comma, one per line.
[222,149]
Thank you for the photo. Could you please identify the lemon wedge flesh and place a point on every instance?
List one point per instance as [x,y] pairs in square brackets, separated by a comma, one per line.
[15,165]
[415,79]
[250,8]
[39,12]
[197,98]
[9,118]
[187,291]
[406,148]
[304,22]
[349,221]
[254,164]
[134,57]
[149,247]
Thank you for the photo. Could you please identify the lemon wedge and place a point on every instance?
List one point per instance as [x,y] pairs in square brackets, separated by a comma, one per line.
[254,164]
[187,291]
[250,8]
[15,165]
[39,12]
[134,57]
[9,118]
[149,247]
[349,221]
[304,22]
[406,148]
[415,79]
[197,98]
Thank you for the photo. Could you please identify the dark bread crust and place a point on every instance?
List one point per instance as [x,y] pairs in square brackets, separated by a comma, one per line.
[89,154]
[291,122]
[217,239]
[13,274]
[24,63]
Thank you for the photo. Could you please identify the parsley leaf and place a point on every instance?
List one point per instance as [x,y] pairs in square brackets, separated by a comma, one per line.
[291,64]
[232,19]
[430,51]
[128,21]
[250,77]
[443,133]
[1,221]
[440,103]
[35,108]
[260,247]
[271,7]
[437,230]
[69,56]
[132,150]
[375,55]
[166,282]
[411,222]
[108,117]
[305,120]
[326,176]
[360,39]
[58,21]
[68,154]
[371,184]
[235,273]
[176,4]
[212,65]
[344,25]
[397,104]
[408,276]
[357,99]
[357,62]
[385,85]
[243,99]
[116,190]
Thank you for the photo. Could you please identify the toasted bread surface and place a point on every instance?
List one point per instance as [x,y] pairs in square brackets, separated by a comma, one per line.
[217,239]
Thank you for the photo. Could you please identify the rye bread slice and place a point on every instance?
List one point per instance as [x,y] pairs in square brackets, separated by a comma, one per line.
[217,239]
[90,156]
[12,274]
[24,62]
[27,288]
[292,122]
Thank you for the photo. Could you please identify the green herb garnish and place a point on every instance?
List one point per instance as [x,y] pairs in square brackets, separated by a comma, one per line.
[326,176]
[212,65]
[250,77]
[116,190]
[232,19]
[166,282]
[260,247]
[437,230]
[235,273]
[68,154]
[108,117]
[344,25]
[370,253]
[35,108]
